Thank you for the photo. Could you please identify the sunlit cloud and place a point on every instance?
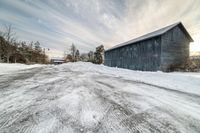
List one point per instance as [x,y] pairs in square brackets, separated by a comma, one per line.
[88,24]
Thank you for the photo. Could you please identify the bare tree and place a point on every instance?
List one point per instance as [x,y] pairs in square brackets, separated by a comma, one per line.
[84,57]
[2,48]
[9,36]
[91,56]
[14,51]
[73,51]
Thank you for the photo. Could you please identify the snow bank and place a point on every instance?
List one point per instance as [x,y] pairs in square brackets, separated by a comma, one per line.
[9,68]
[184,82]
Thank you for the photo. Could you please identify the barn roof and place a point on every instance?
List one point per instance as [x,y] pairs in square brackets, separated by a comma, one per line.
[57,60]
[154,34]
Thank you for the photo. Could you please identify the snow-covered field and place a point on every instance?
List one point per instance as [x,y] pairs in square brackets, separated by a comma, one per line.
[83,97]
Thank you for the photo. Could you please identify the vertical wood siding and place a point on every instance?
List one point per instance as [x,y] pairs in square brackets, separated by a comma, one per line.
[174,49]
[157,53]
[143,56]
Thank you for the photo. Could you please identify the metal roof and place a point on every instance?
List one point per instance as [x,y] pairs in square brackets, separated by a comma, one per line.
[153,34]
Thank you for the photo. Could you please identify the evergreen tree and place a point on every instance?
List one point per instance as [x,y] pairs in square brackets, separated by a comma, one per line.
[98,55]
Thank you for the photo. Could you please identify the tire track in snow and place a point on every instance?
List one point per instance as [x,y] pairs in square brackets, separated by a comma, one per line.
[90,102]
[126,119]
[184,94]
[191,124]
[45,90]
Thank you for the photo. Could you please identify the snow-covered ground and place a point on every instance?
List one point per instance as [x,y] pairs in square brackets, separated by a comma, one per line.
[83,97]
[9,68]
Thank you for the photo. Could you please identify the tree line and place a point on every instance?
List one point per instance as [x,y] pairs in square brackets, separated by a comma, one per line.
[13,51]
[94,57]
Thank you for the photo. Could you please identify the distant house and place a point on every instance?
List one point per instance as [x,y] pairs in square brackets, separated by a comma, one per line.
[161,50]
[57,60]
[195,57]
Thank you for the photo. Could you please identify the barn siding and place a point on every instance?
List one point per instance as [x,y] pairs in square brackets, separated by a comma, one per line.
[169,49]
[144,55]
[174,49]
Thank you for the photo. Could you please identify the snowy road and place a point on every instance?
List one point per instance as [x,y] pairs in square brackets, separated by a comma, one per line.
[64,99]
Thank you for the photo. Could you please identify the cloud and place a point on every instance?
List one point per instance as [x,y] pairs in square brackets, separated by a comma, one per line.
[91,23]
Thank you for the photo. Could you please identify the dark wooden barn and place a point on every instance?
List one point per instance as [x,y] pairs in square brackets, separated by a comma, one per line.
[160,50]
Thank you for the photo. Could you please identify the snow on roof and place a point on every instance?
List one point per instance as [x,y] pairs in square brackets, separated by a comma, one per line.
[57,58]
[58,61]
[153,34]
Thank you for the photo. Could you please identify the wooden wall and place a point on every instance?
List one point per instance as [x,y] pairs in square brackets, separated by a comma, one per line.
[174,49]
[164,52]
[144,55]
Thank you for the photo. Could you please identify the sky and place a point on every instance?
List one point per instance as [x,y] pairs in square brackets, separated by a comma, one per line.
[56,24]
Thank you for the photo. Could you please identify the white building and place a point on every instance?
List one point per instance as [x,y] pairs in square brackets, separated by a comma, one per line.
[57,60]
